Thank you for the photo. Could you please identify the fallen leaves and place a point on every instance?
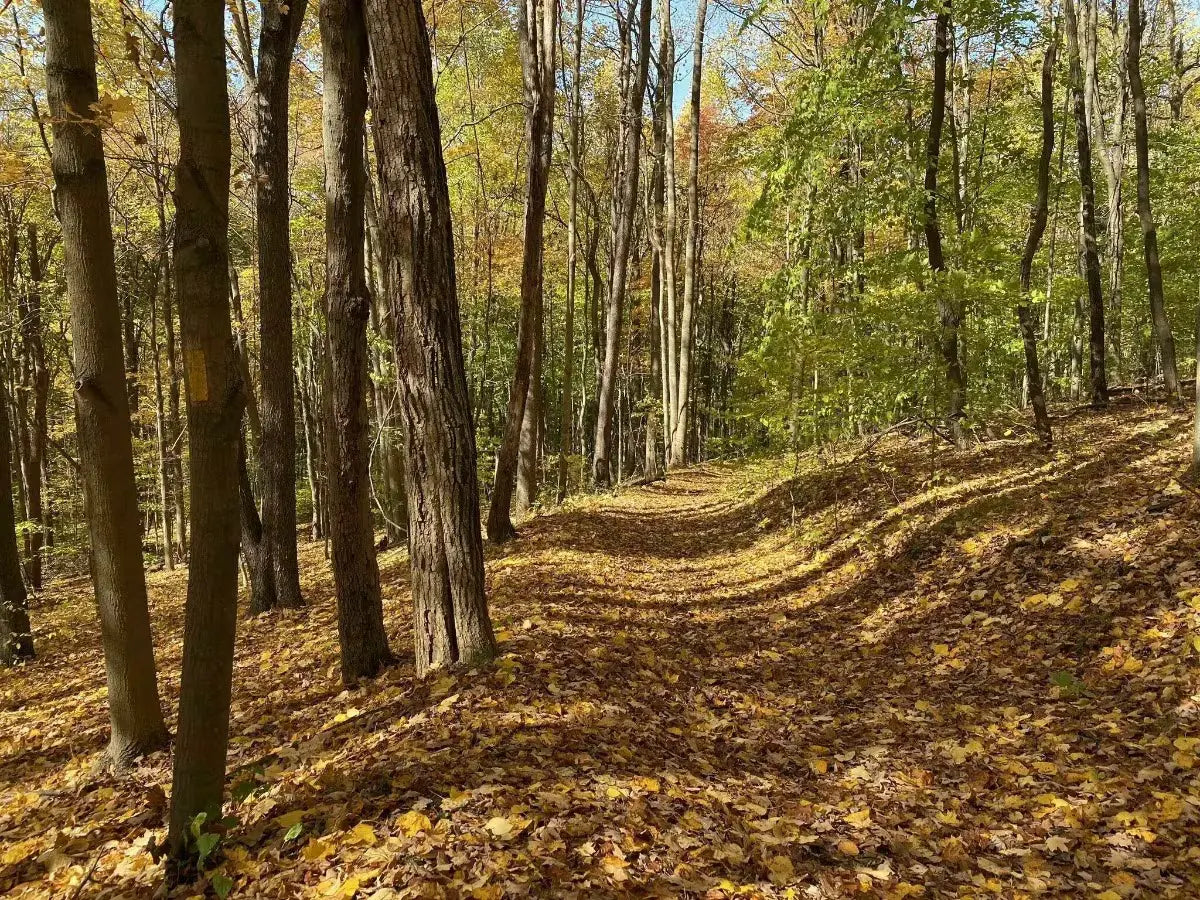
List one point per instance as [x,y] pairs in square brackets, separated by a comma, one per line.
[983,683]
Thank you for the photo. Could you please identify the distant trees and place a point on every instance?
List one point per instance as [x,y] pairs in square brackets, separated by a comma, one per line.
[101,401]
[1089,249]
[537,31]
[624,210]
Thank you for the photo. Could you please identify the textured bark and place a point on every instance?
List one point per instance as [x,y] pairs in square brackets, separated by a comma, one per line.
[564,448]
[691,254]
[1037,227]
[348,309]
[625,208]
[254,551]
[160,438]
[1109,138]
[277,404]
[1158,311]
[537,36]
[949,312]
[101,401]
[16,639]
[1089,251]
[36,379]
[450,617]
[670,217]
[215,401]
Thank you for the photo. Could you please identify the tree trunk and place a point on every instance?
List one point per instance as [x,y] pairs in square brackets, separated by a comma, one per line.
[626,209]
[160,436]
[565,419]
[450,616]
[691,256]
[537,35]
[258,566]
[215,401]
[1037,227]
[348,309]
[948,309]
[101,401]
[1158,312]
[16,638]
[1087,216]
[39,384]
[277,404]
[670,218]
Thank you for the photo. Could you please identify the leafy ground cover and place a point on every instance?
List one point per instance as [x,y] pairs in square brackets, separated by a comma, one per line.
[905,671]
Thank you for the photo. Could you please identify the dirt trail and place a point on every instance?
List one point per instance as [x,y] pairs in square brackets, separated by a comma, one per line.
[916,672]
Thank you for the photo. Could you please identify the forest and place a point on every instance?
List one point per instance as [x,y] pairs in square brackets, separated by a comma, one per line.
[599,448]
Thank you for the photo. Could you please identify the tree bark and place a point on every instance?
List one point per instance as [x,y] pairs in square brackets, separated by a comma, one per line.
[1087,216]
[277,403]
[361,632]
[625,211]
[16,637]
[565,420]
[1158,311]
[1037,227]
[670,217]
[691,261]
[450,616]
[537,36]
[39,384]
[949,313]
[101,400]
[215,401]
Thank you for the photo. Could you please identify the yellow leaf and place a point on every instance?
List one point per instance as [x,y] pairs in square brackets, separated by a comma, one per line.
[316,849]
[349,888]
[499,826]
[819,766]
[363,834]
[848,848]
[781,869]
[287,820]
[859,819]
[413,823]
[941,649]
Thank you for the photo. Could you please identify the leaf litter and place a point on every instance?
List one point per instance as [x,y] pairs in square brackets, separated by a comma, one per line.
[909,672]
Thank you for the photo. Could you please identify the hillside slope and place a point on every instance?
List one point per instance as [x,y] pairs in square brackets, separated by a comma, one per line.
[901,672]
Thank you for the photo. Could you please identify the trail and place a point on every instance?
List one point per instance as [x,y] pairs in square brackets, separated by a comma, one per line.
[915,672]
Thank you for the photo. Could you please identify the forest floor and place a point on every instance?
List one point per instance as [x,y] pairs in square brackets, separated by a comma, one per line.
[909,671]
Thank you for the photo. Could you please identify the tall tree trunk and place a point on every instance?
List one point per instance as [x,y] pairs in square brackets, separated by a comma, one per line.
[1037,227]
[670,218]
[626,209]
[160,435]
[576,111]
[361,633]
[537,36]
[39,383]
[1087,215]
[691,256]
[1158,312]
[1110,138]
[948,308]
[450,616]
[215,401]
[101,401]
[277,404]
[16,638]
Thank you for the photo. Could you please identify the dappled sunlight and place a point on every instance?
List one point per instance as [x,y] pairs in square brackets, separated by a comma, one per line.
[846,677]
